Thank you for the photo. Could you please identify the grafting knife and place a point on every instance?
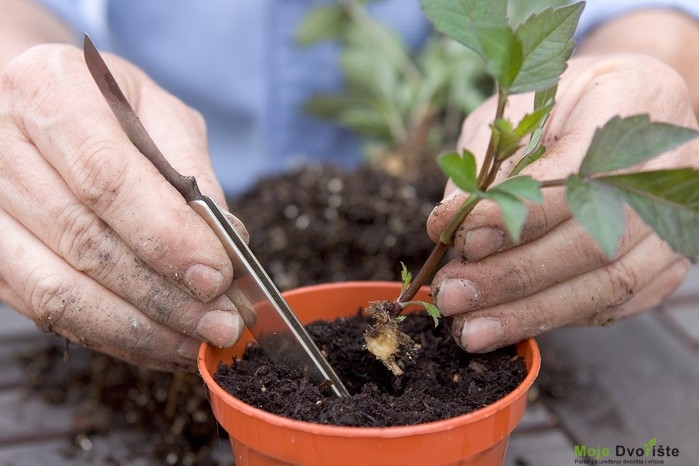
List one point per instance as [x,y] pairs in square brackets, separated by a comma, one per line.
[264,311]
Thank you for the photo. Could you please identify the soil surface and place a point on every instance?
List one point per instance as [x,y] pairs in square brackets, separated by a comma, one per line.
[444,381]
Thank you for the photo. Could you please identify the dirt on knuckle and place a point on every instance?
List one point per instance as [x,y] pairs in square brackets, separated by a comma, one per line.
[100,170]
[87,244]
[623,283]
[519,280]
[50,298]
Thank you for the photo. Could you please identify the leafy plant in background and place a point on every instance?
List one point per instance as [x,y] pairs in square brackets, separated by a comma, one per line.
[530,57]
[407,105]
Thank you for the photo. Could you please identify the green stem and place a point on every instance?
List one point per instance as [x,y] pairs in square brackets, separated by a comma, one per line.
[487,167]
[553,183]
[435,256]
[486,176]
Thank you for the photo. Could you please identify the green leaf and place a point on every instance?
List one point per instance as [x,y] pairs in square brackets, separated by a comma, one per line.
[461,169]
[667,200]
[322,23]
[457,18]
[624,142]
[502,52]
[433,311]
[545,98]
[522,186]
[532,154]
[547,43]
[513,210]
[531,121]
[543,104]
[600,209]
[405,276]
[506,139]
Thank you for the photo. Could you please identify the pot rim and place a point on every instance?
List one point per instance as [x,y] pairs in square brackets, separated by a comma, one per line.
[392,431]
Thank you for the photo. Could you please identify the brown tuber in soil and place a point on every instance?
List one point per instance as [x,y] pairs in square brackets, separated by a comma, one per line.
[386,341]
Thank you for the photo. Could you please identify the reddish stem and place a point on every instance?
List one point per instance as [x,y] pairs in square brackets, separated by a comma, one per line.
[421,278]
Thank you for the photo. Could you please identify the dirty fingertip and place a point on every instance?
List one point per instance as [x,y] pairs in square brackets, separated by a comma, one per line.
[220,328]
[204,282]
[481,242]
[481,334]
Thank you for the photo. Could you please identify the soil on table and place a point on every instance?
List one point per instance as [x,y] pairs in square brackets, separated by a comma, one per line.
[443,382]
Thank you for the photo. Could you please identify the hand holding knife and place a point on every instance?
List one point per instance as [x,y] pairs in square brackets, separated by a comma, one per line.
[265,313]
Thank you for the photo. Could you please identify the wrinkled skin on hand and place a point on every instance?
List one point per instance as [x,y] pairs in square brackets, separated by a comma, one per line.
[499,292]
[96,246]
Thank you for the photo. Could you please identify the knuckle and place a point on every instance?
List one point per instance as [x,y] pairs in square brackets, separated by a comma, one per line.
[87,243]
[100,173]
[519,280]
[19,80]
[622,281]
[50,298]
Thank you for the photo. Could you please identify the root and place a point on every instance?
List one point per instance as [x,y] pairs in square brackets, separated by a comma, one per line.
[385,340]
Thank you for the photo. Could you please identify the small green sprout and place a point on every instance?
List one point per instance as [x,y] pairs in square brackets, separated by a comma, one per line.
[406,278]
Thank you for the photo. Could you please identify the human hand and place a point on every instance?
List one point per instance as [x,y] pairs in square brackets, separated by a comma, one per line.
[499,292]
[96,246]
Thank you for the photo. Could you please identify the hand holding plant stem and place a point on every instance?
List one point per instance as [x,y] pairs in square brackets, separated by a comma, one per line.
[531,58]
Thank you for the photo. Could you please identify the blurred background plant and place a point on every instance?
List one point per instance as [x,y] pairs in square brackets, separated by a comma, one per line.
[406,105]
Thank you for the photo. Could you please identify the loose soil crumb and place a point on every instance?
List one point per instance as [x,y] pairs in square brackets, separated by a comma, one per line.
[443,382]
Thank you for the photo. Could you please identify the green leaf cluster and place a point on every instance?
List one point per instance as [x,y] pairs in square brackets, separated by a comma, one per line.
[432,310]
[511,195]
[531,56]
[527,57]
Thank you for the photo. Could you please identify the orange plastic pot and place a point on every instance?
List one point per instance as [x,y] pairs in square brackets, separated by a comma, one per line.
[261,438]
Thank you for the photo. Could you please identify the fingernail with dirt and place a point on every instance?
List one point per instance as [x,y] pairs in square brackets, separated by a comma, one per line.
[482,334]
[203,282]
[482,242]
[220,328]
[457,295]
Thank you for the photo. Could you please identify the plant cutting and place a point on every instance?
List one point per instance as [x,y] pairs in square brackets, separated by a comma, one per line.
[531,58]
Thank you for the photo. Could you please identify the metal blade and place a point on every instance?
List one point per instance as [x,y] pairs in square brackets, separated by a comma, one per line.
[265,312]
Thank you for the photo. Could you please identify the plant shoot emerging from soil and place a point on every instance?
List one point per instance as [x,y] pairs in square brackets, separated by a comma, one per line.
[530,57]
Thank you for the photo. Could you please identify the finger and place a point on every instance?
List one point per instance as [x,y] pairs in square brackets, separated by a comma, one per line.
[85,144]
[566,252]
[586,296]
[649,297]
[75,233]
[59,299]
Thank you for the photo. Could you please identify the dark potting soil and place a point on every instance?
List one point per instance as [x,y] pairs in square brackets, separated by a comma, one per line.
[325,224]
[443,382]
